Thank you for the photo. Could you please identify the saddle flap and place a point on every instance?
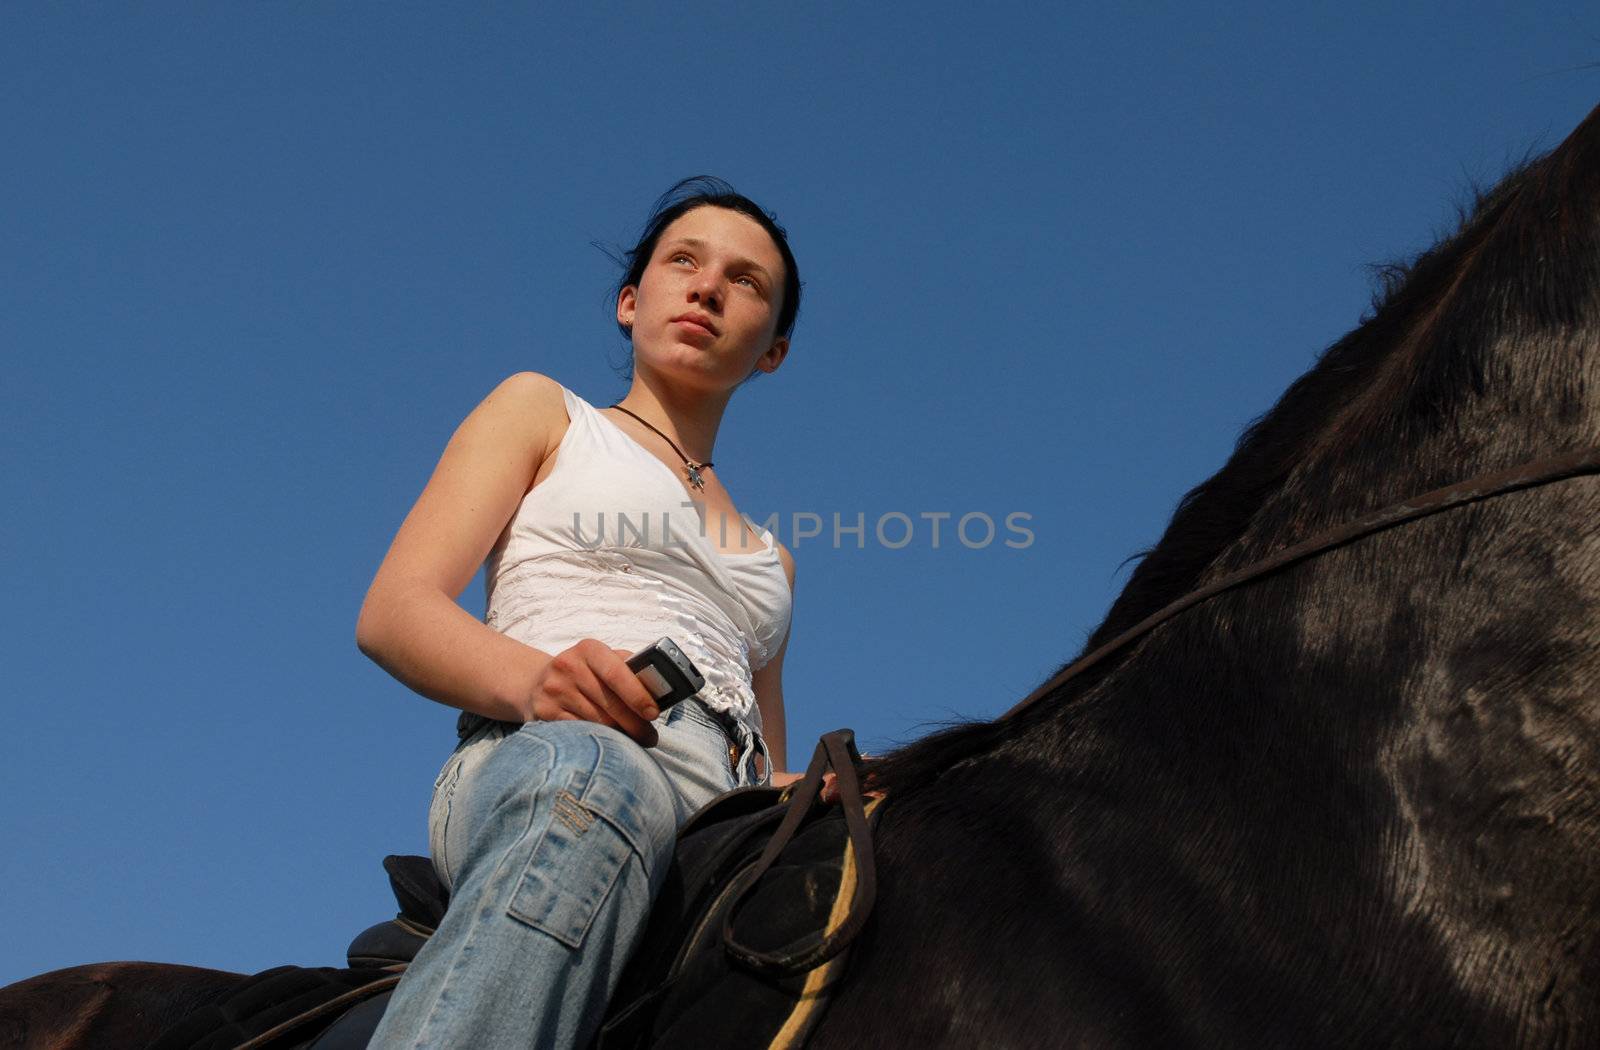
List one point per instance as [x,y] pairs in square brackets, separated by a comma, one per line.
[731,804]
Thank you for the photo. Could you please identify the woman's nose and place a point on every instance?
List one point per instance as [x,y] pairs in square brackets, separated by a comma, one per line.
[707,290]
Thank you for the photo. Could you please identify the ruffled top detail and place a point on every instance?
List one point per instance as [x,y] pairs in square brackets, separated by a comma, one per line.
[610,546]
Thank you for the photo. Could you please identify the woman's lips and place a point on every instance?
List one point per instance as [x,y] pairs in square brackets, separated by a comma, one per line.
[693,326]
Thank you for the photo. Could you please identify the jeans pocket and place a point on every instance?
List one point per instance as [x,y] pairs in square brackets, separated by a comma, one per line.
[578,859]
[450,770]
[468,754]
[444,791]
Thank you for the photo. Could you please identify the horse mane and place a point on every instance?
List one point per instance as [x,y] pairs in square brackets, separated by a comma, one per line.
[1411,361]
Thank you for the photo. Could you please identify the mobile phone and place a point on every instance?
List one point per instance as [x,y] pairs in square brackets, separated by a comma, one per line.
[666,672]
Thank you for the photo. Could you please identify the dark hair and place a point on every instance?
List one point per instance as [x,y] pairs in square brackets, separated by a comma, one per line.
[697,192]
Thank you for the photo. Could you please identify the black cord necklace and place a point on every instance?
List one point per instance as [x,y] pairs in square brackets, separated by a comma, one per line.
[691,469]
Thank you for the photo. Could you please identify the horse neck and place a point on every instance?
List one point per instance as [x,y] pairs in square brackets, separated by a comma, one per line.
[1405,731]
[1408,727]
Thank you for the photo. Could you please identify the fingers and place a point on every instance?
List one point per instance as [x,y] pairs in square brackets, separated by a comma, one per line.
[599,691]
[591,681]
[563,702]
[619,691]
[628,688]
[829,792]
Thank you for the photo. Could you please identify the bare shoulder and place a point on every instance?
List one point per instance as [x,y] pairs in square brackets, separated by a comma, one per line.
[530,384]
[485,469]
[529,405]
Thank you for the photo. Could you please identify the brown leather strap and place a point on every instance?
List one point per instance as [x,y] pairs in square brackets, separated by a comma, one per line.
[1484,486]
[838,750]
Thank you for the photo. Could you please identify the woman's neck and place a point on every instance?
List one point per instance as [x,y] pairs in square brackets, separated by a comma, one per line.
[689,419]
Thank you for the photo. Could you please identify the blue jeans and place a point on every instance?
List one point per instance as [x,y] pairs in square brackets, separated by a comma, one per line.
[554,839]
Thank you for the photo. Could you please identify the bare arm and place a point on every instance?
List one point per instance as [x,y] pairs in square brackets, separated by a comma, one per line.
[410,624]
[767,683]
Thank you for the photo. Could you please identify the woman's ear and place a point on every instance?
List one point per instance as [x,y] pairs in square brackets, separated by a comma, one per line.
[774,355]
[627,303]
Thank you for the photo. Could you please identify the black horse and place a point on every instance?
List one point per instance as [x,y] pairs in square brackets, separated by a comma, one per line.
[1353,803]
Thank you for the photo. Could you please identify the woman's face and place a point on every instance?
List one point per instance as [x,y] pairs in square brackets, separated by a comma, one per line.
[705,309]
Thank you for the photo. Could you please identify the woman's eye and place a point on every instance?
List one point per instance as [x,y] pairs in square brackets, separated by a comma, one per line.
[681,256]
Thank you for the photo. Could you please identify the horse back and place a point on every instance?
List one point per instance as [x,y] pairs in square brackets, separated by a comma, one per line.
[107,1004]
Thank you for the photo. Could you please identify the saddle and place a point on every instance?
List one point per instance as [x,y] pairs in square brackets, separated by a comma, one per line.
[747,940]
[750,935]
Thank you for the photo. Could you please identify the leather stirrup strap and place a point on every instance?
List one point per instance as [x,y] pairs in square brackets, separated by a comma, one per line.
[837,750]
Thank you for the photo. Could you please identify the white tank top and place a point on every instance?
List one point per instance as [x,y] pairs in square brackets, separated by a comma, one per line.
[610,546]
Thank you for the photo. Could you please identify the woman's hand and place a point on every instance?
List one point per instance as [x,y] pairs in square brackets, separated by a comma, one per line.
[590,682]
[829,792]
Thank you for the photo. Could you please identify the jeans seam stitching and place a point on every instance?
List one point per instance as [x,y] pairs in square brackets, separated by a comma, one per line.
[616,822]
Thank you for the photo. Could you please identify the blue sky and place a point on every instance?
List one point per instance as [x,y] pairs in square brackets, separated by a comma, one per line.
[257,261]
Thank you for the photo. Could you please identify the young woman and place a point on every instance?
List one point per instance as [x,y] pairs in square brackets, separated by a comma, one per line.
[604,530]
